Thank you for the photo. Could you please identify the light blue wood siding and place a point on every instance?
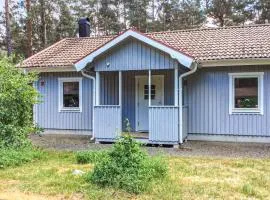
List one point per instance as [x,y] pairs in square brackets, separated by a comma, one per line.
[163,124]
[134,55]
[46,114]
[208,104]
[109,88]
[185,122]
[107,122]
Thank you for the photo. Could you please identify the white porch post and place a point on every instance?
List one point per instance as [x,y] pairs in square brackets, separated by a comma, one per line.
[120,98]
[97,88]
[120,88]
[149,87]
[176,87]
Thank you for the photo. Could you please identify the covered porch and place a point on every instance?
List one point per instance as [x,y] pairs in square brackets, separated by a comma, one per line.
[123,105]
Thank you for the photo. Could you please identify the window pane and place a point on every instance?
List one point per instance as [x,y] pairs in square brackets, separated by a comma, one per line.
[71,94]
[153,91]
[246,92]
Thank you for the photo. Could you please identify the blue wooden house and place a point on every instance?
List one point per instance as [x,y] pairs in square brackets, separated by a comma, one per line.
[200,84]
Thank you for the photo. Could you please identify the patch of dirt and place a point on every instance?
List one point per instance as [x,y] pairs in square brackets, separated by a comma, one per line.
[10,192]
[17,195]
[189,148]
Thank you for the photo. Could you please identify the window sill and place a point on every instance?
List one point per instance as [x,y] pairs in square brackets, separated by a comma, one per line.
[246,112]
[70,110]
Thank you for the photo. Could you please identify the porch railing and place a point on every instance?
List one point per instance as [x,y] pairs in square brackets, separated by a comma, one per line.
[107,122]
[163,124]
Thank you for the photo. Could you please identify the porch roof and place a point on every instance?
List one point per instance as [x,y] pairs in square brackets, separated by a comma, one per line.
[205,45]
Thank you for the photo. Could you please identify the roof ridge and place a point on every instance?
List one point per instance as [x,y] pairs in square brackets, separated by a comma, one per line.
[207,28]
[47,48]
[92,37]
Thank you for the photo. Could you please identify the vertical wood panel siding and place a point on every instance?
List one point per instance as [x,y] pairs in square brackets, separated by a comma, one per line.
[134,55]
[185,122]
[109,88]
[208,101]
[107,122]
[46,113]
[163,124]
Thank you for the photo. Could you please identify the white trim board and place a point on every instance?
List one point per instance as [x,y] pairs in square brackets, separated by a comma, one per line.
[232,77]
[137,77]
[182,58]
[60,94]
[235,62]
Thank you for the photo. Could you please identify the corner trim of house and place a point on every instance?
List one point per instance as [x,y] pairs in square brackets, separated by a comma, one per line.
[228,138]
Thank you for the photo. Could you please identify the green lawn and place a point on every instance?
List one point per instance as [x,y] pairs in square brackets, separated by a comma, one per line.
[189,178]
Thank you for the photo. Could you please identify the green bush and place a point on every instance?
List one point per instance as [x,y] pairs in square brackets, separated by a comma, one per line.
[127,167]
[10,157]
[17,97]
[84,157]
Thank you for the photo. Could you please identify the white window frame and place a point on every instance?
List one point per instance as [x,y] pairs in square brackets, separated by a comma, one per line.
[61,107]
[232,77]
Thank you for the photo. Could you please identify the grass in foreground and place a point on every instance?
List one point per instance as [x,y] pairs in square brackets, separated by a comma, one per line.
[189,178]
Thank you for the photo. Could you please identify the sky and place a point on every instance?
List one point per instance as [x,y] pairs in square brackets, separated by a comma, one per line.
[1,5]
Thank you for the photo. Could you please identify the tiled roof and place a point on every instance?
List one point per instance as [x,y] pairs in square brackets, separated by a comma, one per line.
[65,52]
[203,44]
[220,43]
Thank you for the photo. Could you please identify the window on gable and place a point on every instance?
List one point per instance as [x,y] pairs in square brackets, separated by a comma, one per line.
[70,94]
[246,92]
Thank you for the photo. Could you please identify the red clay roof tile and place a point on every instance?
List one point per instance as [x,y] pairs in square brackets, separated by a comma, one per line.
[203,44]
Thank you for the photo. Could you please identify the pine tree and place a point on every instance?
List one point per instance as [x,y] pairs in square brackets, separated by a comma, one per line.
[66,26]
[242,11]
[137,14]
[29,28]
[220,10]
[107,18]
[8,32]
[262,8]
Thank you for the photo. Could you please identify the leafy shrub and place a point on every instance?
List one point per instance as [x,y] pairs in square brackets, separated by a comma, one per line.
[17,97]
[127,167]
[84,157]
[10,157]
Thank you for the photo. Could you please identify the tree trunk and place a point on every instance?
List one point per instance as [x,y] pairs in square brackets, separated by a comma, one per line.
[43,24]
[8,32]
[221,21]
[29,29]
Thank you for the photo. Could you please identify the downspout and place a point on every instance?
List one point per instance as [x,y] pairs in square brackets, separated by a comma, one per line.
[94,97]
[181,100]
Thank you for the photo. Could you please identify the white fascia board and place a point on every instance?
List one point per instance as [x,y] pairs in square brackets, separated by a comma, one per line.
[235,62]
[180,57]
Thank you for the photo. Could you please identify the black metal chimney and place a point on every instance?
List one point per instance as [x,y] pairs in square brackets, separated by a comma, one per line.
[84,27]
